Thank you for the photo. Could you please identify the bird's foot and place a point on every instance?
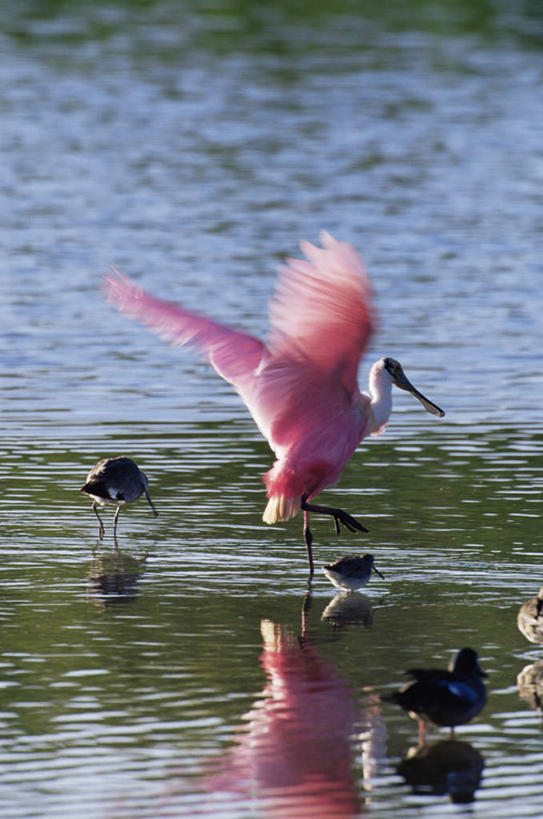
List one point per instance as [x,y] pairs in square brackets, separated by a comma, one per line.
[340,516]
[350,523]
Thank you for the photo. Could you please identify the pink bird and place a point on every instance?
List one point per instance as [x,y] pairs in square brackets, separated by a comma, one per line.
[301,386]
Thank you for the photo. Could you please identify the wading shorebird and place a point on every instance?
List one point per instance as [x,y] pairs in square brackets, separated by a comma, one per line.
[530,618]
[351,572]
[301,386]
[116,481]
[446,698]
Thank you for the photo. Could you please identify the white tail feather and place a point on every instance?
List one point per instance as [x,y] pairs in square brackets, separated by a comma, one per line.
[280,508]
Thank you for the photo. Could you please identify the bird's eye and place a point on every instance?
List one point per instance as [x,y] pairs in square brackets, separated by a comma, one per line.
[390,365]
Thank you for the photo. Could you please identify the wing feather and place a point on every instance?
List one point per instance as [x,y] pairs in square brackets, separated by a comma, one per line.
[322,310]
[234,354]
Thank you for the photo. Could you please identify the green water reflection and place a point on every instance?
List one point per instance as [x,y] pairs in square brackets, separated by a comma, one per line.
[220,25]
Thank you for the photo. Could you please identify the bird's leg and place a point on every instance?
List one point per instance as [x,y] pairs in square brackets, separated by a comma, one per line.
[118,509]
[422,732]
[100,524]
[305,609]
[308,538]
[339,515]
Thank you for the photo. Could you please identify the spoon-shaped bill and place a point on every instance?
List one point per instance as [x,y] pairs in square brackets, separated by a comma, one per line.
[402,381]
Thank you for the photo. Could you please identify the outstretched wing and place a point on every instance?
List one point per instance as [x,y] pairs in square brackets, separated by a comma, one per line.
[322,310]
[233,354]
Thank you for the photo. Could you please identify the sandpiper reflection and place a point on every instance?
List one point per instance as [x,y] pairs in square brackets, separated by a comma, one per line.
[348,608]
[530,685]
[305,735]
[113,577]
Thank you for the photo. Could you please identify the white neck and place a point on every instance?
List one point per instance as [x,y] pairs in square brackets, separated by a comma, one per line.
[380,387]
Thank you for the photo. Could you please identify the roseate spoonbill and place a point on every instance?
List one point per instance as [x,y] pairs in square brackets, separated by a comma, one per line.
[115,481]
[351,572]
[446,698]
[301,387]
[530,618]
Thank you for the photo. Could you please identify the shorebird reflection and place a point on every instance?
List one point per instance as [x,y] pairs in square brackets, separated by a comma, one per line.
[113,577]
[348,608]
[530,685]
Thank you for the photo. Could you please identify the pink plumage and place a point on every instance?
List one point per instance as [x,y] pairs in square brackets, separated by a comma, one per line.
[301,386]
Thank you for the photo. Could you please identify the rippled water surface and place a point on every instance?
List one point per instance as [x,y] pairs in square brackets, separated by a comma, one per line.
[190,672]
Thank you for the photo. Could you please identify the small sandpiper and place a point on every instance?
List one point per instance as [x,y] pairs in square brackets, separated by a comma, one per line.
[351,572]
[116,481]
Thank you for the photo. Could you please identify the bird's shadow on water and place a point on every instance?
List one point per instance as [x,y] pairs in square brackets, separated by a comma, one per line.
[530,686]
[113,576]
[446,767]
[350,609]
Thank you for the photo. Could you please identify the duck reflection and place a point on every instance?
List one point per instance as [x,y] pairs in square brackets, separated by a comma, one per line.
[448,766]
[530,685]
[297,752]
[113,578]
[530,618]
[348,608]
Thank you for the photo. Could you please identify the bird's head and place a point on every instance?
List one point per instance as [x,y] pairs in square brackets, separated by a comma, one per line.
[399,379]
[369,558]
[467,662]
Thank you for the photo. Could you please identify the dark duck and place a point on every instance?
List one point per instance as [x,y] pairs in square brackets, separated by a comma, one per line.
[445,698]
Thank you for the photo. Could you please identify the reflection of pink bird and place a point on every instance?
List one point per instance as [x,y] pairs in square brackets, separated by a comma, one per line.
[296,754]
[301,387]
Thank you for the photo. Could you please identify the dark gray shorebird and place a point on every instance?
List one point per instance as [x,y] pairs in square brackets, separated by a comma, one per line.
[116,481]
[351,572]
